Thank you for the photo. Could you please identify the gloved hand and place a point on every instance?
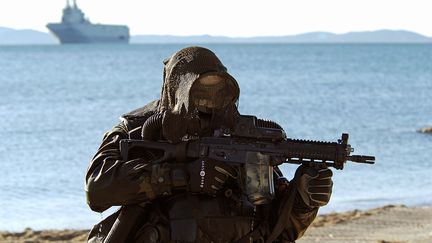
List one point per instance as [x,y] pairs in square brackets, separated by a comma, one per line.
[162,180]
[315,186]
[208,176]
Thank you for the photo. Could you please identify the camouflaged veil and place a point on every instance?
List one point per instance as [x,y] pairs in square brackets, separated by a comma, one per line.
[180,73]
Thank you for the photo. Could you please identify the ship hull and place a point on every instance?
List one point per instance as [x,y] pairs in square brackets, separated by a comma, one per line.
[89,33]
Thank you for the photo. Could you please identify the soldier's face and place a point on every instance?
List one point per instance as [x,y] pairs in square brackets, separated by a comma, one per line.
[210,92]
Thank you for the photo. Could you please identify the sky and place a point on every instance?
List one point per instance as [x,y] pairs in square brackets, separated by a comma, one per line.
[236,18]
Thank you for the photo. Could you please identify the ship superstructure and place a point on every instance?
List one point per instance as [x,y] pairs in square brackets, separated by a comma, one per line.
[76,28]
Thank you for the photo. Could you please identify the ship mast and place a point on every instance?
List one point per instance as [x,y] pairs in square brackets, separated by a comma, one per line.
[68,4]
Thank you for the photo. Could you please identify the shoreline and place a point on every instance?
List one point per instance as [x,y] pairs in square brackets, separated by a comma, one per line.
[387,224]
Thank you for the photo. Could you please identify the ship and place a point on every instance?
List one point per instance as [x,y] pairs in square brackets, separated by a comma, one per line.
[76,28]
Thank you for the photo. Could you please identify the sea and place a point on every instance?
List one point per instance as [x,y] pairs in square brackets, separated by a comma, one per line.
[57,101]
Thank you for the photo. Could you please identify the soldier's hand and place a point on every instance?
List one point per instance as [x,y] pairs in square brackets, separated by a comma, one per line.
[315,186]
[208,176]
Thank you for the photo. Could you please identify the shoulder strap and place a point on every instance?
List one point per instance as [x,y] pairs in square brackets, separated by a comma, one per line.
[125,224]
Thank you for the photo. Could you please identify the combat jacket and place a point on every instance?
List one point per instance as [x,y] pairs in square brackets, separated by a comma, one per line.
[110,181]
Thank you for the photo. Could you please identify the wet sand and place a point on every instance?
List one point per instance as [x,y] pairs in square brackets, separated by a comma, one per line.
[389,224]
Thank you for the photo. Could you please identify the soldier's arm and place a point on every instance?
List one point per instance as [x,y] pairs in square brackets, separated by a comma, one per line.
[111,181]
[301,216]
[300,219]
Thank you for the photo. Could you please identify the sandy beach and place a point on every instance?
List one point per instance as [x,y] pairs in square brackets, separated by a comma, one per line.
[389,224]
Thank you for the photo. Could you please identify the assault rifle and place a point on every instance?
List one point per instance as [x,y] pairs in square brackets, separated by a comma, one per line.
[249,138]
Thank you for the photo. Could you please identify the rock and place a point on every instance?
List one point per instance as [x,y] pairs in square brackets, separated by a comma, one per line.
[425,130]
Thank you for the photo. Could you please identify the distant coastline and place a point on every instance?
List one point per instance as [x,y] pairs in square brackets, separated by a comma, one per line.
[10,36]
[379,36]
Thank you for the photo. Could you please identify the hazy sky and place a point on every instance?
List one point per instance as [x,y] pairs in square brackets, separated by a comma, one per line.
[230,17]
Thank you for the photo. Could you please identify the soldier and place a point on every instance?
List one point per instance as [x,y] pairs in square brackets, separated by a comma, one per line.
[198,200]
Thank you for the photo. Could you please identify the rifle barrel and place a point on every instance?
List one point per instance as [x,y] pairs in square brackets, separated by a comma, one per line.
[364,159]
